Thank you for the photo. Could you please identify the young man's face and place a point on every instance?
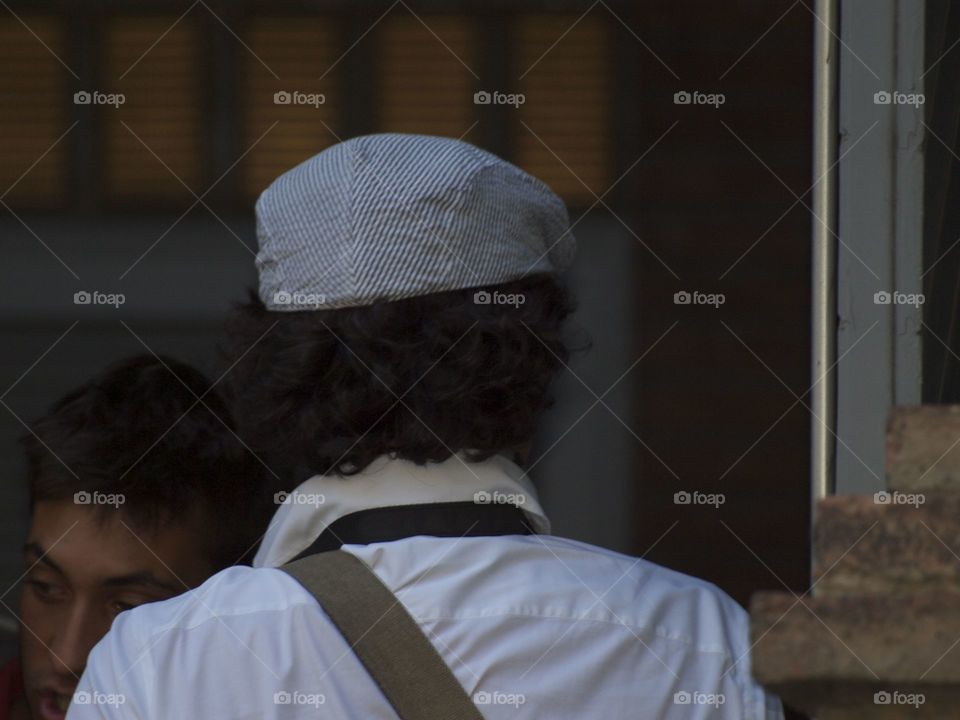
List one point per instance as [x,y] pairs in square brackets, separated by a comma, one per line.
[80,573]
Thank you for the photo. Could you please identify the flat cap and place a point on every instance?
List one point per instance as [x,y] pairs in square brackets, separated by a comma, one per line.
[392,216]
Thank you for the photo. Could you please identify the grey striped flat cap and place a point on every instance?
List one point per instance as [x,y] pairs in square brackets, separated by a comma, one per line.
[385,217]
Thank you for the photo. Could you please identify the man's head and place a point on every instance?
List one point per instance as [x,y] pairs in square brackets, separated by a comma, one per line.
[138,492]
[409,306]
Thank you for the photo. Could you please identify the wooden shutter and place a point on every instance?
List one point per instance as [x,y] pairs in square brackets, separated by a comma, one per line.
[157,66]
[568,102]
[426,87]
[299,50]
[34,111]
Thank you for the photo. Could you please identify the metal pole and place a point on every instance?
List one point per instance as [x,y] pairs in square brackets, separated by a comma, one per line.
[824,300]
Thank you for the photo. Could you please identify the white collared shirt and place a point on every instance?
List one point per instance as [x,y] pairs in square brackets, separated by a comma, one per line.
[533,626]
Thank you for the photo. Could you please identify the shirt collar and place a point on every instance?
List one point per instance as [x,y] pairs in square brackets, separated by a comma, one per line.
[317,502]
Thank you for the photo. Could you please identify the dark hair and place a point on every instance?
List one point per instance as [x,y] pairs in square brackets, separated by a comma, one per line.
[137,430]
[328,391]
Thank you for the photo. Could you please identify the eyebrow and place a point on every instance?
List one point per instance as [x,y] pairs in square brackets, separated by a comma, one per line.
[144,578]
[40,555]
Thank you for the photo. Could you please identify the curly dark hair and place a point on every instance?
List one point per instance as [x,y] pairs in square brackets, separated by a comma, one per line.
[328,391]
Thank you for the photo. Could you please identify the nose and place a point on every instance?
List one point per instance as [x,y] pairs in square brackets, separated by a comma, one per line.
[74,640]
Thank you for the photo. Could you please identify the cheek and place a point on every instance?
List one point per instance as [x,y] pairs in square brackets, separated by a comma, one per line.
[39,626]
[39,618]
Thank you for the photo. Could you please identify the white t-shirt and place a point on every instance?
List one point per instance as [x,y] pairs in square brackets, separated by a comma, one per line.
[533,626]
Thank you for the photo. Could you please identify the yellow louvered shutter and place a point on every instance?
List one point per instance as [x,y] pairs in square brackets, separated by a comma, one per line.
[568,102]
[34,111]
[426,74]
[299,51]
[155,62]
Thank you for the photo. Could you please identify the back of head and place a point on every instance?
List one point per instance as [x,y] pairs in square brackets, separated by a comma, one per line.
[409,305]
[420,379]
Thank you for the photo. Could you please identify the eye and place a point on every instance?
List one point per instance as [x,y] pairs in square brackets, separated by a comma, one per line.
[118,606]
[47,592]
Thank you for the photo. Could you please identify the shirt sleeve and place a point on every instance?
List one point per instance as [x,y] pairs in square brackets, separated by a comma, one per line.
[763,704]
[774,707]
[757,702]
[112,686]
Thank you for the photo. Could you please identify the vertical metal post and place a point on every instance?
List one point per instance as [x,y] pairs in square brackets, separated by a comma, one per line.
[824,300]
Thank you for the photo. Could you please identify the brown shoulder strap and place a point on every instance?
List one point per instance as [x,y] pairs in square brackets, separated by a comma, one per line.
[385,638]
